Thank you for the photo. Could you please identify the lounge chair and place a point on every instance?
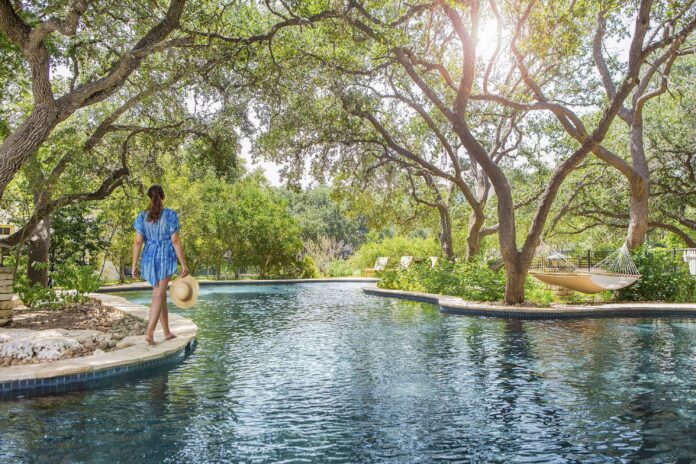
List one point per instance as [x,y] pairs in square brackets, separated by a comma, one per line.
[379,266]
[433,261]
[689,257]
[405,262]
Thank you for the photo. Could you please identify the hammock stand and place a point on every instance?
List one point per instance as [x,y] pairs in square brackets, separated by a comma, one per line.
[614,272]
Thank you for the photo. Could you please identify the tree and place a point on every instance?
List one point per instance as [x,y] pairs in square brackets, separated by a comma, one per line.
[652,64]
[599,200]
[76,236]
[423,66]
[122,98]
[653,81]
[32,36]
[321,216]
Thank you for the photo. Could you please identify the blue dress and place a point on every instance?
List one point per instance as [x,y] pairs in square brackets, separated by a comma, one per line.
[158,260]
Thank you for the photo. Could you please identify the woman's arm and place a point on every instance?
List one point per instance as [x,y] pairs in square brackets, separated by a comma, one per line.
[137,244]
[178,247]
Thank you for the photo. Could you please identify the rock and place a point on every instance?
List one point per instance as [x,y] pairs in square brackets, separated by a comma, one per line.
[123,344]
[51,348]
[97,352]
[103,345]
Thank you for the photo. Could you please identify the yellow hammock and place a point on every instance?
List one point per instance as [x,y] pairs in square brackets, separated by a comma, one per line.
[586,283]
[616,271]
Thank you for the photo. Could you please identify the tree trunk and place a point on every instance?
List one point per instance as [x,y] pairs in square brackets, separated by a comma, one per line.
[640,187]
[638,220]
[446,233]
[39,243]
[473,239]
[515,278]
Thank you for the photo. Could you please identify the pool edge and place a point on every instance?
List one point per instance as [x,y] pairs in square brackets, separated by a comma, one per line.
[456,306]
[212,283]
[138,355]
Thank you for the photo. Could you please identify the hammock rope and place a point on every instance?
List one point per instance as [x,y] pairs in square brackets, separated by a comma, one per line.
[614,272]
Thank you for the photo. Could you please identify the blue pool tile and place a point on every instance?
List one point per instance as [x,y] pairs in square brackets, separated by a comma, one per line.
[63,383]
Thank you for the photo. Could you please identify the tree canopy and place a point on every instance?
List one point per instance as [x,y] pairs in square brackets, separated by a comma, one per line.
[485,124]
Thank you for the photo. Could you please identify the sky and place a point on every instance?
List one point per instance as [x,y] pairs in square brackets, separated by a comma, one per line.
[270,169]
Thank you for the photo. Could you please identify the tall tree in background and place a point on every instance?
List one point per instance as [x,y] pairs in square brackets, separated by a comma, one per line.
[426,60]
[670,25]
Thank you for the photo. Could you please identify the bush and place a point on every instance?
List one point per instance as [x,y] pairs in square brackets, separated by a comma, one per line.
[339,268]
[302,268]
[33,296]
[307,268]
[394,248]
[471,281]
[78,280]
[75,279]
[535,292]
[663,278]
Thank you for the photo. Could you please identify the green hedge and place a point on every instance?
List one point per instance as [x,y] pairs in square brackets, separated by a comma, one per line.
[394,248]
[663,278]
[473,281]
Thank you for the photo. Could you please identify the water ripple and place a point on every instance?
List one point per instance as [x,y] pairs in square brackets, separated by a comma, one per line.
[323,373]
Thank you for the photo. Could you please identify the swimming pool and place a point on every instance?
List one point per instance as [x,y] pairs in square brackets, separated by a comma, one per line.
[321,372]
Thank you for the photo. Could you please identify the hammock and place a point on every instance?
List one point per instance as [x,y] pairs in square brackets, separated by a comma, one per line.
[612,273]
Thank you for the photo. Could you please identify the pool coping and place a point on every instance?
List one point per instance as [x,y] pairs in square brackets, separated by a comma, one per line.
[457,306]
[138,355]
[204,283]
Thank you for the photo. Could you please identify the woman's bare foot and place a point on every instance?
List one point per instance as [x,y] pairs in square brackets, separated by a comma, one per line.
[150,341]
[169,336]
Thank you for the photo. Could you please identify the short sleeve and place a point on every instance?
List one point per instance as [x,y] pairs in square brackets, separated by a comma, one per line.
[139,225]
[173,222]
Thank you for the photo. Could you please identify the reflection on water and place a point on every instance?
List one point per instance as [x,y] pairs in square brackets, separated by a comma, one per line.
[321,372]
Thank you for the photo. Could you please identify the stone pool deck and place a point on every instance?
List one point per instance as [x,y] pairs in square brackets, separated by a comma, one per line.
[454,305]
[145,286]
[136,355]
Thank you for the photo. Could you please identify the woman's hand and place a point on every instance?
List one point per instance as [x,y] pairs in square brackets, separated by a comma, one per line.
[135,272]
[184,270]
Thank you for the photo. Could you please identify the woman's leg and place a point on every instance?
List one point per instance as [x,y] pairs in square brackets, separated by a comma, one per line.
[164,318]
[155,309]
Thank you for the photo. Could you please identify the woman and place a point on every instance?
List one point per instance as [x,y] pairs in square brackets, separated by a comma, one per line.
[158,228]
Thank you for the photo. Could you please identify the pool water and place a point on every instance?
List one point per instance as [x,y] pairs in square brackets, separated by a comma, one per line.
[323,373]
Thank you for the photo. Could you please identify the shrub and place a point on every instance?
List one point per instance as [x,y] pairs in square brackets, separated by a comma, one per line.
[301,268]
[75,279]
[33,295]
[473,280]
[307,268]
[536,293]
[394,248]
[339,268]
[79,280]
[663,278]
[324,251]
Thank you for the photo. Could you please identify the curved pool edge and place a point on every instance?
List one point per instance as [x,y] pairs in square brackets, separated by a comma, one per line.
[53,375]
[211,283]
[457,306]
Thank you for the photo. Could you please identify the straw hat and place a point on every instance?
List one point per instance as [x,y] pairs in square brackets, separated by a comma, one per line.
[184,292]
